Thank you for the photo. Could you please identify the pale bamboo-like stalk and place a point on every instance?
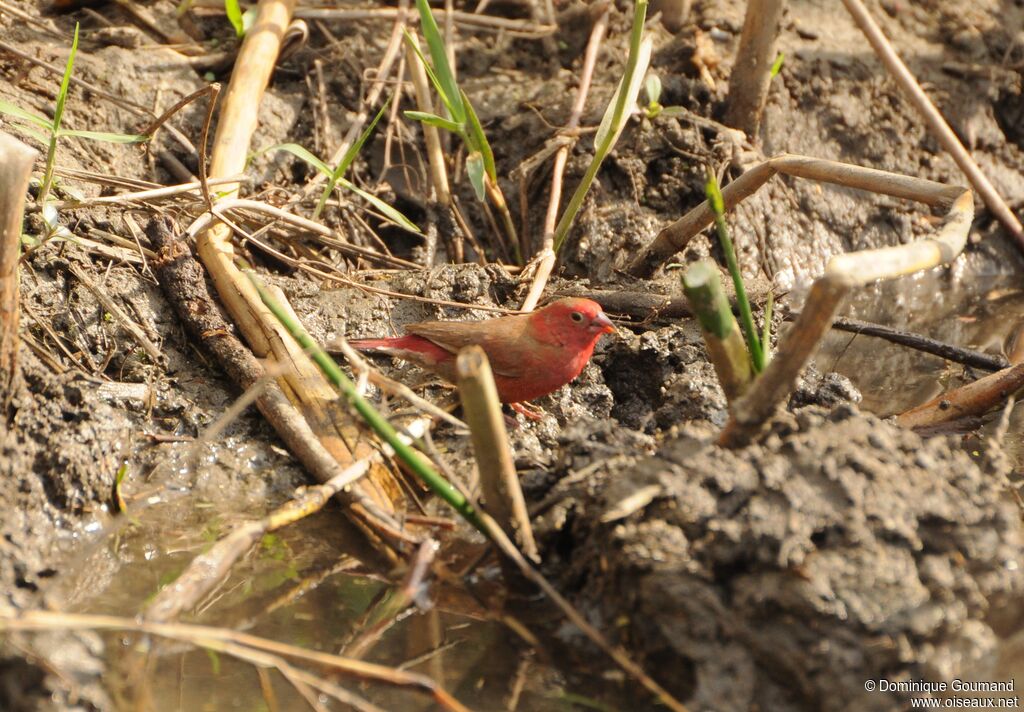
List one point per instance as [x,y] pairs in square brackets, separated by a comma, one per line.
[303,383]
[702,285]
[934,120]
[545,259]
[431,137]
[16,160]
[751,74]
[502,492]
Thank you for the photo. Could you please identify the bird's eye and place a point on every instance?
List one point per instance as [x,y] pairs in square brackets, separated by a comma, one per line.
[576,316]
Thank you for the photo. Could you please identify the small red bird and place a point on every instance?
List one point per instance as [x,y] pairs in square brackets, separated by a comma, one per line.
[531,355]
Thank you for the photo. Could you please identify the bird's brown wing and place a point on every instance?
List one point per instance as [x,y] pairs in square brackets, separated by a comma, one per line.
[497,337]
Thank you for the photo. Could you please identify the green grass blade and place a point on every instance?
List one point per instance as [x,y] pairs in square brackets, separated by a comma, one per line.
[615,117]
[476,171]
[65,82]
[433,78]
[346,161]
[439,56]
[355,148]
[478,141]
[746,316]
[766,331]
[390,212]
[416,461]
[39,136]
[58,115]
[104,136]
[234,13]
[302,153]
[434,120]
[18,112]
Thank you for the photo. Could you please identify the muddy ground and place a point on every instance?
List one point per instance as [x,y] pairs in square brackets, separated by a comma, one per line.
[780,576]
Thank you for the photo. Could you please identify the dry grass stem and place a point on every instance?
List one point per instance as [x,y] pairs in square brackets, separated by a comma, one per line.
[751,74]
[231,642]
[16,161]
[934,120]
[544,261]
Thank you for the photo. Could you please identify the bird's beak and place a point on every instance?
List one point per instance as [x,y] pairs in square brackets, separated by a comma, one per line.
[605,323]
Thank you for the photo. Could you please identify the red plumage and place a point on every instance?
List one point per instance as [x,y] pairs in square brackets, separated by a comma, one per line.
[531,355]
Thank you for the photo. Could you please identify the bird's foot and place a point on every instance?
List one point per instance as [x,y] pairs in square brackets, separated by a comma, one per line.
[527,411]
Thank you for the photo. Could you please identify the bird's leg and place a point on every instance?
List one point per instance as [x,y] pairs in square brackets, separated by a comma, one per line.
[527,411]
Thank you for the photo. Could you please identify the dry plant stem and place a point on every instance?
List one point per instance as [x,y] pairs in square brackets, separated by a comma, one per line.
[16,160]
[141,195]
[212,566]
[677,236]
[845,272]
[722,336]
[391,53]
[302,383]
[545,259]
[218,638]
[521,27]
[500,483]
[112,307]
[431,137]
[382,616]
[620,656]
[975,398]
[751,74]
[934,120]
[183,282]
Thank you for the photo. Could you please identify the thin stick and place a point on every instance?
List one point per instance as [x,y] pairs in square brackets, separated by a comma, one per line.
[387,61]
[523,28]
[957,354]
[975,398]
[435,157]
[216,638]
[140,195]
[115,310]
[934,120]
[502,493]
[545,258]
[751,74]
[16,160]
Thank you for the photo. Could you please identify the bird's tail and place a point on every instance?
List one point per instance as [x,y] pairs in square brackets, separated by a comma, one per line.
[393,344]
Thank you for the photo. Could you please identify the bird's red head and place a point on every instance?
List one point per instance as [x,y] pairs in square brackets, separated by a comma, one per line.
[574,320]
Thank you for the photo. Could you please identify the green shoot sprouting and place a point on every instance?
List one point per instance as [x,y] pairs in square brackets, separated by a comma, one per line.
[777,65]
[654,108]
[754,343]
[416,461]
[52,132]
[234,13]
[462,121]
[335,176]
[241,21]
[615,117]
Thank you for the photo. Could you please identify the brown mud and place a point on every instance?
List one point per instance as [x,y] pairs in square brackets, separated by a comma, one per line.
[780,576]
